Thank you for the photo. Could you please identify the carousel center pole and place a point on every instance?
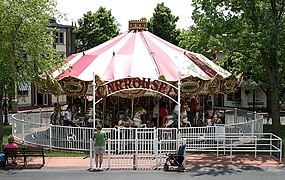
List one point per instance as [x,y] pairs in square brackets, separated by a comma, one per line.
[94,96]
[179,103]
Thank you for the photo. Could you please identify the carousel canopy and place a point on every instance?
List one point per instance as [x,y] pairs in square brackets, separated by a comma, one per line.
[140,54]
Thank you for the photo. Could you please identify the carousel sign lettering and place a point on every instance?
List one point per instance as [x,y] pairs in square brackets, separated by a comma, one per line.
[135,83]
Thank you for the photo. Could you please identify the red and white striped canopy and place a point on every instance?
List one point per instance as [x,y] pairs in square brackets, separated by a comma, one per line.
[138,54]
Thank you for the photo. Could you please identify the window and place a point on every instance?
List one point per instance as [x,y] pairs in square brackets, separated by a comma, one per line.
[235,96]
[59,39]
[23,88]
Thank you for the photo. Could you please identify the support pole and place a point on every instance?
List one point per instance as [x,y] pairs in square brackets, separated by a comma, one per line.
[94,99]
[132,114]
[104,112]
[179,104]
[85,104]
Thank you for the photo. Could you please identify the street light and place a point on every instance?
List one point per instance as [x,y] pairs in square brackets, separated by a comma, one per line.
[254,85]
[5,105]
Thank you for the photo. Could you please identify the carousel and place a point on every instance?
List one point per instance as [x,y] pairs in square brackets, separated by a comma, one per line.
[123,79]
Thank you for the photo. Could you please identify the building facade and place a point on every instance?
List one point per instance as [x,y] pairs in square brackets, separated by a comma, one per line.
[65,43]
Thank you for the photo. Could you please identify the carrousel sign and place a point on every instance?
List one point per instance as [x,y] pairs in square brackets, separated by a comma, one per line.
[136,84]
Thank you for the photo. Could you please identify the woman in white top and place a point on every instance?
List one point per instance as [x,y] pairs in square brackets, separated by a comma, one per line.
[67,117]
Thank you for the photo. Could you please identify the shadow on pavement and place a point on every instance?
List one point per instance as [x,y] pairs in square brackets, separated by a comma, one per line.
[221,170]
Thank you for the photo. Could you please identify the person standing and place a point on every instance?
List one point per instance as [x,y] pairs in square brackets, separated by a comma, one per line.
[155,114]
[192,111]
[99,139]
[162,113]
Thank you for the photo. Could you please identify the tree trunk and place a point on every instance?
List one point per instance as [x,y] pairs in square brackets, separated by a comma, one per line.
[275,109]
[268,102]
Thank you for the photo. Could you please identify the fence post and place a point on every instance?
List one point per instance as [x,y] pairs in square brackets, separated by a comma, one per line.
[119,140]
[217,148]
[231,149]
[255,146]
[109,154]
[135,160]
[156,153]
[23,130]
[90,152]
[280,157]
[50,136]
[270,144]
[41,116]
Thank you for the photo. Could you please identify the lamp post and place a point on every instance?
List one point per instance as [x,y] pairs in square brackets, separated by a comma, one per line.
[5,105]
[253,99]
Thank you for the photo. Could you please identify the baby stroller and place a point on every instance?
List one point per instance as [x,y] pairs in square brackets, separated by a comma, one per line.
[176,159]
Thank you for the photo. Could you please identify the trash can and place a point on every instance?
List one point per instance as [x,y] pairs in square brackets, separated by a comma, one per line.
[14,104]
[2,159]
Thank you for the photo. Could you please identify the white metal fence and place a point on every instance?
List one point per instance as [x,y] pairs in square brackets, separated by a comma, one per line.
[137,153]
[145,146]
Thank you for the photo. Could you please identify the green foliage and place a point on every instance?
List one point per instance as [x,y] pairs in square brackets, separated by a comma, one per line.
[24,29]
[96,28]
[251,35]
[7,131]
[163,24]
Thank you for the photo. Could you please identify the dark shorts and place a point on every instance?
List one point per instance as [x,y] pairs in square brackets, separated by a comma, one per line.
[99,149]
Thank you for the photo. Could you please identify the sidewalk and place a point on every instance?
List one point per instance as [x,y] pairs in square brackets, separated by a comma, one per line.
[192,160]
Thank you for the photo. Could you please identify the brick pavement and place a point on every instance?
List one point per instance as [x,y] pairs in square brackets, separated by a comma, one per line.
[200,160]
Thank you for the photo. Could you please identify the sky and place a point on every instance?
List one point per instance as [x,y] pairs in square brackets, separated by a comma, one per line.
[125,10]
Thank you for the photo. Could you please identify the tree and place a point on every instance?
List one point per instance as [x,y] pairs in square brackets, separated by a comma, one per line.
[251,33]
[163,24]
[96,28]
[24,28]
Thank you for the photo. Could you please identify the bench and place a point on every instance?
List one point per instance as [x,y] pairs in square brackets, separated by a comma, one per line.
[25,153]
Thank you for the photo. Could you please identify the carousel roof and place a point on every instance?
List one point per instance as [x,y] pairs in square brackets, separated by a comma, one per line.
[141,54]
[138,54]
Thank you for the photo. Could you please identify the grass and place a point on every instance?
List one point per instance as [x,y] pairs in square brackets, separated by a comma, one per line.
[267,128]
[63,153]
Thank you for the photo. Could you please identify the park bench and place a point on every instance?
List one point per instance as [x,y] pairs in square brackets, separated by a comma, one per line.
[25,153]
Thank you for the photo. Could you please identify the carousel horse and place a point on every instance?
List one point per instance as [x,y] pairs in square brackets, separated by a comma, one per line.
[137,122]
[170,121]
[198,120]
[56,116]
[217,118]
[124,122]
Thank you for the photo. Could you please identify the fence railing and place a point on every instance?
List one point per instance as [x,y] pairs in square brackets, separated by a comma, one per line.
[136,153]
[34,128]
